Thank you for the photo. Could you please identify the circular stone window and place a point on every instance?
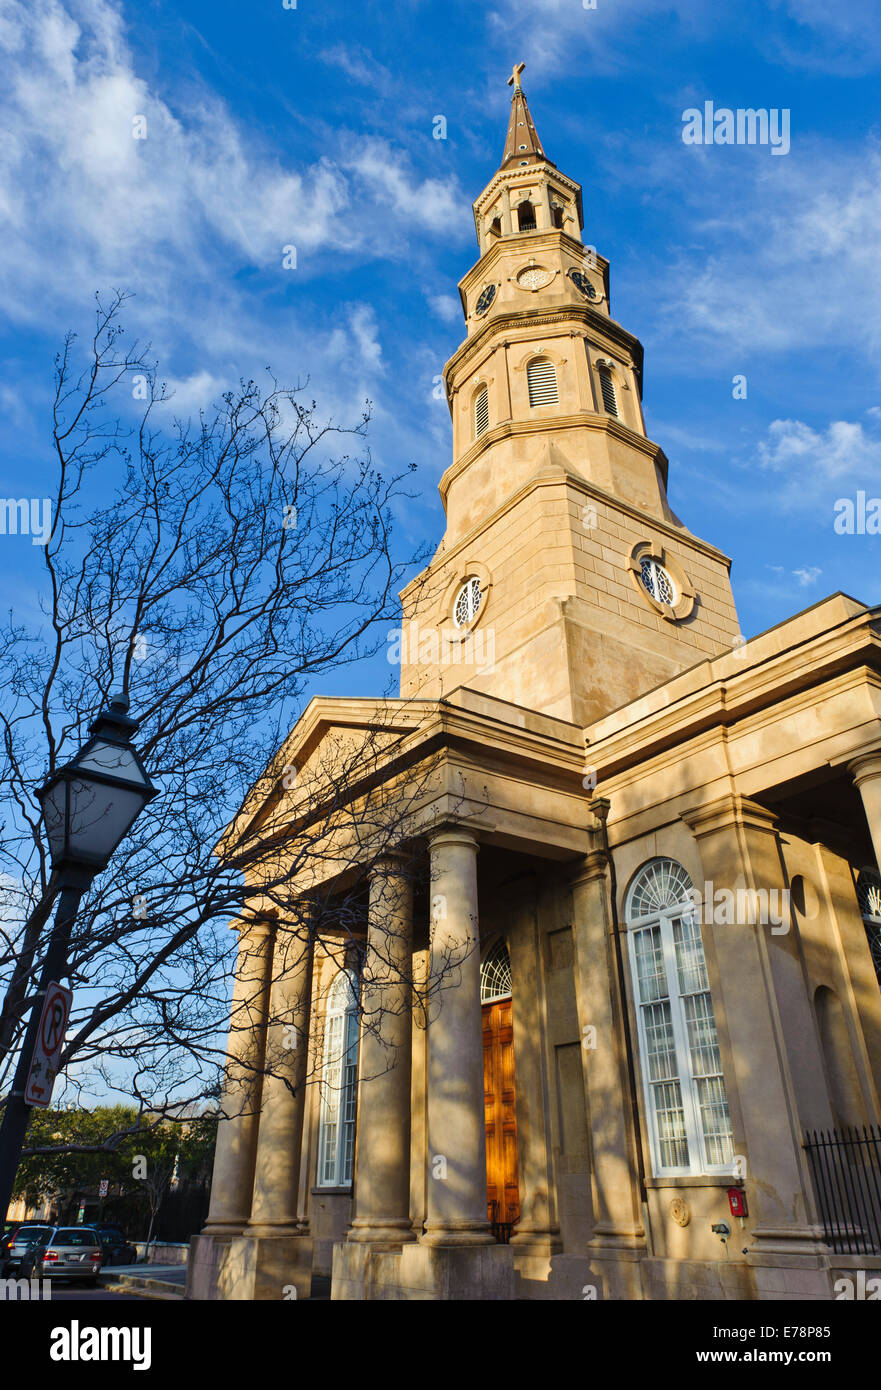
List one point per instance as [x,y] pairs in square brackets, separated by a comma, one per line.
[661,581]
[467,602]
[534,277]
[656,581]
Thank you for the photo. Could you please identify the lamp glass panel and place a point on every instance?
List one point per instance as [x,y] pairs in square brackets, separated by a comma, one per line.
[113,760]
[54,803]
[100,816]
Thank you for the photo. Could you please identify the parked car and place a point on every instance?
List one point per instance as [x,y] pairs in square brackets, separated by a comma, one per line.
[18,1244]
[71,1252]
[117,1250]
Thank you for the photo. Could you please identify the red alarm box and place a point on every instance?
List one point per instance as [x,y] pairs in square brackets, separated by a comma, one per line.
[737,1201]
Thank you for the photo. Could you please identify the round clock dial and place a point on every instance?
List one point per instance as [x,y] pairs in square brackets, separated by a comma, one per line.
[487,295]
[581,283]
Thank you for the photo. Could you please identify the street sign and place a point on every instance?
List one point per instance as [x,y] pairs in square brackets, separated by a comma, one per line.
[47,1049]
[102,1187]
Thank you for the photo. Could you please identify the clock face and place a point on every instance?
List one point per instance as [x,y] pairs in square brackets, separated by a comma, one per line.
[581,282]
[487,295]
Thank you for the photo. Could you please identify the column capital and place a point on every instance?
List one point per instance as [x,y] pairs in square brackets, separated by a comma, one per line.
[865,766]
[590,867]
[453,833]
[727,811]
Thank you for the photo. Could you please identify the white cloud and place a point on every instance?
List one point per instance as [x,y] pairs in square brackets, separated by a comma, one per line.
[446,306]
[808,457]
[807,576]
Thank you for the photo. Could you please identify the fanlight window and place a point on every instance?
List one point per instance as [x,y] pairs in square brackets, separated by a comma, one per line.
[336,1139]
[686,1100]
[869,898]
[467,602]
[541,379]
[495,975]
[481,412]
[656,581]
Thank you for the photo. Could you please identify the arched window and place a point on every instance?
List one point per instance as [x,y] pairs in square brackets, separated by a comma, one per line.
[557,214]
[526,216]
[339,1073]
[496,226]
[495,974]
[607,388]
[481,412]
[686,1100]
[869,898]
[541,378]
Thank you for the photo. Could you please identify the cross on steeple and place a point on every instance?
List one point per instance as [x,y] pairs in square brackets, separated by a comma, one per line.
[514,79]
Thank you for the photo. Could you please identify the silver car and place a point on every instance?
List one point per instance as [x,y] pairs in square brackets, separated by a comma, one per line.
[71,1252]
[23,1242]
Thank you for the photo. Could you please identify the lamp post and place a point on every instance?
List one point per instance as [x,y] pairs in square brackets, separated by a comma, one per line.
[89,805]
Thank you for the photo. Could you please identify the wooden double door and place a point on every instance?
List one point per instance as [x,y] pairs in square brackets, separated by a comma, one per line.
[502,1190]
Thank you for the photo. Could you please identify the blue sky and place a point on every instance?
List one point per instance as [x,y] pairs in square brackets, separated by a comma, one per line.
[269,127]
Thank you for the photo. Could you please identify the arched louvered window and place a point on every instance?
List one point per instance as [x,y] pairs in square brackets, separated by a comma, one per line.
[481,412]
[685,1096]
[541,378]
[495,975]
[339,1085]
[607,387]
[526,216]
[869,898]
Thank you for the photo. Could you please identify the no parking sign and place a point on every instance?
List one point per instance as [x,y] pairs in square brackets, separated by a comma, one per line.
[47,1049]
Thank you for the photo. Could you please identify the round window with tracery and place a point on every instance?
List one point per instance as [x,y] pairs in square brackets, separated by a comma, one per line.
[467,603]
[656,581]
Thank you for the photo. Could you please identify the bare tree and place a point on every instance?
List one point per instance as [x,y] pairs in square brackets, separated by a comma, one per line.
[211,570]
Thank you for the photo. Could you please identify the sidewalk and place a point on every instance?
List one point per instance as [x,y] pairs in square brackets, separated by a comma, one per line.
[157,1281]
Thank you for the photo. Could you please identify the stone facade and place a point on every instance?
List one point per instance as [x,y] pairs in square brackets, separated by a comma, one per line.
[594,728]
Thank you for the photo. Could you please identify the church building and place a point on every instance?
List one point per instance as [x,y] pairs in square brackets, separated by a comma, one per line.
[641,862]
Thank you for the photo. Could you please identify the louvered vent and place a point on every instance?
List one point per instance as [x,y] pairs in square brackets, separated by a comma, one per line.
[607,386]
[481,412]
[541,378]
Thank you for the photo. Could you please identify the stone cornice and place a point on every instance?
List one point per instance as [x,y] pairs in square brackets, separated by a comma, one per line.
[839,658]
[514,319]
[583,419]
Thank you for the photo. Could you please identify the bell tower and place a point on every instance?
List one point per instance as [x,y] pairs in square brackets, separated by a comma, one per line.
[564,582]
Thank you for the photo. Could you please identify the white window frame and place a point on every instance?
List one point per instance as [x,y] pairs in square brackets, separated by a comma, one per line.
[471,590]
[663,919]
[339,1084]
[655,569]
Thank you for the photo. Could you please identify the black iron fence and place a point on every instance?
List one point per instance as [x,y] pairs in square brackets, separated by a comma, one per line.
[846,1170]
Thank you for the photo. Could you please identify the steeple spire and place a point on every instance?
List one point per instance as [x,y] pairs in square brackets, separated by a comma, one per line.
[522,145]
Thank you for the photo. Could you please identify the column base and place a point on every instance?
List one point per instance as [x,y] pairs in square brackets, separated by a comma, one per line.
[419,1272]
[456,1234]
[258,1268]
[391,1233]
[207,1252]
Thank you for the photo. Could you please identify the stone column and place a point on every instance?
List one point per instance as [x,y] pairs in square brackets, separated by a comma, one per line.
[866,769]
[277,1168]
[382,1161]
[233,1177]
[602,1020]
[456,1119]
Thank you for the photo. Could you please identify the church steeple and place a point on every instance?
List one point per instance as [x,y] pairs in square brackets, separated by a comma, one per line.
[522,145]
[560,548]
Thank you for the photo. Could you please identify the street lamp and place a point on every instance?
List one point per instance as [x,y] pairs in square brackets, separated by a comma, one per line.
[89,805]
